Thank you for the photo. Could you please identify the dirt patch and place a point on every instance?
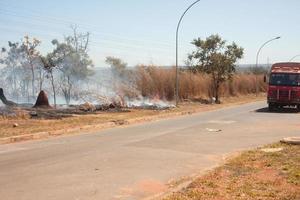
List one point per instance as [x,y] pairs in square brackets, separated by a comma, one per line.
[143,189]
[254,175]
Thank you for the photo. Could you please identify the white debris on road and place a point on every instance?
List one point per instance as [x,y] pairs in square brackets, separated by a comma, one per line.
[213,130]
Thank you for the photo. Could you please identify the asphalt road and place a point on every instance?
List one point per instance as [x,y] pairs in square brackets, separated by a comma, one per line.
[137,161]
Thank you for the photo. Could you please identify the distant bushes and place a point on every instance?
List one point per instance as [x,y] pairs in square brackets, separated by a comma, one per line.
[159,82]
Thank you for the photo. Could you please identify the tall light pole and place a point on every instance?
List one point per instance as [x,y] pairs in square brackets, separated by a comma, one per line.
[257,55]
[177,70]
[294,57]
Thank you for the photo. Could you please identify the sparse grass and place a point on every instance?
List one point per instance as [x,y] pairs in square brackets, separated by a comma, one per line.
[90,122]
[254,175]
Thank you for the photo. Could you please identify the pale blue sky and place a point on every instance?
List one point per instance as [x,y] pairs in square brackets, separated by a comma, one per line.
[143,31]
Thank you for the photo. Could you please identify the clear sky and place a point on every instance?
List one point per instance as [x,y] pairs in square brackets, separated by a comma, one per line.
[143,31]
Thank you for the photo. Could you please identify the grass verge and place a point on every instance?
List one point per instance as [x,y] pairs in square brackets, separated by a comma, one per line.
[92,122]
[255,175]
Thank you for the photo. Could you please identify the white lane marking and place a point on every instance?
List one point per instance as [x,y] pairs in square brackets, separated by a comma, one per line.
[221,122]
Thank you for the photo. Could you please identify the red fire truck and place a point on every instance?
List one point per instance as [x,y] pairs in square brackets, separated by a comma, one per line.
[284,85]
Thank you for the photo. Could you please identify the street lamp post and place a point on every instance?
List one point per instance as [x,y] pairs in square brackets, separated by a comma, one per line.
[294,57]
[177,70]
[257,55]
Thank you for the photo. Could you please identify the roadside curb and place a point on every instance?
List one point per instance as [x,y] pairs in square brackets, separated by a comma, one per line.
[20,138]
[44,135]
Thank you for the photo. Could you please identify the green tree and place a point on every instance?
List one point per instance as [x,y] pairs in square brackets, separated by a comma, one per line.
[22,62]
[119,72]
[214,57]
[32,55]
[72,59]
[117,65]
[15,72]
[11,59]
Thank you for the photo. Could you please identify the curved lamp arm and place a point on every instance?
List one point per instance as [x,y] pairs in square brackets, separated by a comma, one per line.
[257,55]
[262,46]
[294,57]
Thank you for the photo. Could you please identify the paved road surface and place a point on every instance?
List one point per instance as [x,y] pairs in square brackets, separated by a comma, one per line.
[137,161]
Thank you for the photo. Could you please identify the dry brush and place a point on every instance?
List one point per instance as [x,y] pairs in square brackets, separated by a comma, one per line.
[159,82]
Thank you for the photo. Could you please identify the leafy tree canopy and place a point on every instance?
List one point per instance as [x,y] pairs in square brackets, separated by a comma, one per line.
[213,56]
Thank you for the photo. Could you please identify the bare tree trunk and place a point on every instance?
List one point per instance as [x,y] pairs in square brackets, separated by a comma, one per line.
[67,91]
[32,80]
[53,88]
[41,79]
[217,92]
[27,90]
[4,100]
[218,82]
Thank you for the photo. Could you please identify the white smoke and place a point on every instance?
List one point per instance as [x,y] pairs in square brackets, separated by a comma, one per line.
[148,103]
[104,87]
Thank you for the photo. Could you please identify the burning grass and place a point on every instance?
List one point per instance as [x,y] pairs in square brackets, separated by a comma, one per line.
[74,121]
[155,87]
[254,175]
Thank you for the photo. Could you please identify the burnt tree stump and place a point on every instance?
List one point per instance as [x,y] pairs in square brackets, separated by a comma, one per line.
[42,101]
[4,100]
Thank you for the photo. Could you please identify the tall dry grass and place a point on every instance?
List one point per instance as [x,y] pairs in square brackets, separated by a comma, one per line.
[159,82]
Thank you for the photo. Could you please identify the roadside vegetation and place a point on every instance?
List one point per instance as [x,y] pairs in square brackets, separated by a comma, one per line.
[25,71]
[255,175]
[78,91]
[59,122]
[158,82]
[67,73]
[215,58]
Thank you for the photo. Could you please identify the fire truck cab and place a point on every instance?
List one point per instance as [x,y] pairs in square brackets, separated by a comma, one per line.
[284,85]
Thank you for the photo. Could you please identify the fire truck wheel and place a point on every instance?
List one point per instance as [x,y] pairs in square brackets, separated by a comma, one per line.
[298,108]
[271,107]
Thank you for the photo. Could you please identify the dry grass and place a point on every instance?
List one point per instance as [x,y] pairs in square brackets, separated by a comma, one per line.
[6,113]
[90,122]
[160,82]
[254,175]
